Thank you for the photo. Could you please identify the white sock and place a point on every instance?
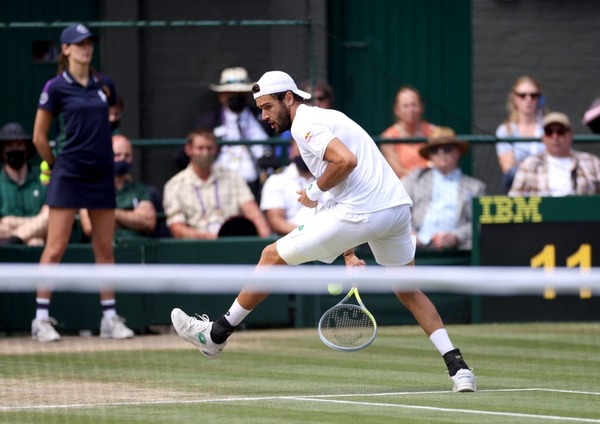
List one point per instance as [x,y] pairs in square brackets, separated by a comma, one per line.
[236,314]
[441,341]
[108,308]
[41,310]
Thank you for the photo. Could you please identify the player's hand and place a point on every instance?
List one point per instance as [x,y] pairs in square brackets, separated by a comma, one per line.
[353,262]
[305,201]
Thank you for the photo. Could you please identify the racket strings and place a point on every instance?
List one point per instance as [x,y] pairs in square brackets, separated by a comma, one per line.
[347,326]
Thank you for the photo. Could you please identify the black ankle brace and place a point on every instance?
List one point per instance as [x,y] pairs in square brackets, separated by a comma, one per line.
[454,361]
[221,330]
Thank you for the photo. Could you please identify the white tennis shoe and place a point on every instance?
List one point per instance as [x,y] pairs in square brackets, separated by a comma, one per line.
[115,328]
[42,330]
[464,381]
[197,332]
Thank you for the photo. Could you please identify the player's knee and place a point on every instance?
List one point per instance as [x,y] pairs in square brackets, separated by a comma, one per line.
[270,256]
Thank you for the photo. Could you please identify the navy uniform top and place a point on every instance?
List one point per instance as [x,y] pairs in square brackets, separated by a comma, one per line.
[84,168]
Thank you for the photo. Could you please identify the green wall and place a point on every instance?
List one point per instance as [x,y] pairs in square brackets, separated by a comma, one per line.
[375,50]
[19,100]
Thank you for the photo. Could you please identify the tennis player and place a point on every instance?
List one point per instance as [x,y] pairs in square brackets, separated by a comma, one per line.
[370,206]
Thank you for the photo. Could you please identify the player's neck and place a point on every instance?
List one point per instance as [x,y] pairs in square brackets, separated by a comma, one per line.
[80,72]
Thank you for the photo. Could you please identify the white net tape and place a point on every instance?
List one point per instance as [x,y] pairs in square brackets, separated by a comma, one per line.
[294,279]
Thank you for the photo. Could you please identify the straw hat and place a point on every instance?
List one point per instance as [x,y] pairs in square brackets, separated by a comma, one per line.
[441,136]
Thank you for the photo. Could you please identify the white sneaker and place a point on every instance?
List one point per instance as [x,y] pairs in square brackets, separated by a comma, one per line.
[115,328]
[42,330]
[197,332]
[464,381]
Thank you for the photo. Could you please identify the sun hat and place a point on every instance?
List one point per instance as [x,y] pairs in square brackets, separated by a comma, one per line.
[75,33]
[441,136]
[278,82]
[234,80]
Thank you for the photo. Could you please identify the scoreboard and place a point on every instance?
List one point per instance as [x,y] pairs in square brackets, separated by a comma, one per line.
[537,232]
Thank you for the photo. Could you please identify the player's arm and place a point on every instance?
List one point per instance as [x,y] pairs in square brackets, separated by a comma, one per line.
[341,162]
[41,126]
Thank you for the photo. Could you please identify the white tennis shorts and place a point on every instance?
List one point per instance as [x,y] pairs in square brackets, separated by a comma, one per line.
[331,232]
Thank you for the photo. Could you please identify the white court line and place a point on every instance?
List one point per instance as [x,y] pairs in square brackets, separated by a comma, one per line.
[465,411]
[328,398]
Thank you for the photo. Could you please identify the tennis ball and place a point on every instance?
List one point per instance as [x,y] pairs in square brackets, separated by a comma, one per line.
[334,289]
[45,174]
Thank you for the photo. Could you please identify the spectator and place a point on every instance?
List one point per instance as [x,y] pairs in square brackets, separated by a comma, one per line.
[202,197]
[279,200]
[235,119]
[135,215]
[322,94]
[408,109]
[524,105]
[558,170]
[441,194]
[82,169]
[23,216]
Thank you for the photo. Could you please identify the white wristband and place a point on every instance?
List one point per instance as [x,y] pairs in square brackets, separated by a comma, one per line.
[313,192]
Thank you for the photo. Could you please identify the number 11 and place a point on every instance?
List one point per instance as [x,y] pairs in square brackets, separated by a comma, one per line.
[581,258]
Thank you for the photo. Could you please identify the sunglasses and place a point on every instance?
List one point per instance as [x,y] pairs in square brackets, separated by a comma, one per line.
[557,131]
[532,95]
[446,148]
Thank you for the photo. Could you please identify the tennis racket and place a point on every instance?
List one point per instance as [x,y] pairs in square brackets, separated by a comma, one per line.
[346,326]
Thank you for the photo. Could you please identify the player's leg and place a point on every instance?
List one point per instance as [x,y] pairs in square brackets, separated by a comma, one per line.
[103,229]
[60,224]
[396,247]
[319,238]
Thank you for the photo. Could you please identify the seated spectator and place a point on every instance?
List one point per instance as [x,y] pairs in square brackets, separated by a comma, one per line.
[236,118]
[524,105]
[23,215]
[322,94]
[202,197]
[135,215]
[408,109]
[441,194]
[558,170]
[279,200]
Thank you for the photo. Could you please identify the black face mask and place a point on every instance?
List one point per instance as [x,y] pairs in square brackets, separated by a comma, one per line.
[237,102]
[300,164]
[122,167]
[15,159]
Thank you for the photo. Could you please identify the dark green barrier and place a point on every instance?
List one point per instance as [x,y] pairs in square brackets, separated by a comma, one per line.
[77,311]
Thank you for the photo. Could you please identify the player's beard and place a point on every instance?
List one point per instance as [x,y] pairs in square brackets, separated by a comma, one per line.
[284,121]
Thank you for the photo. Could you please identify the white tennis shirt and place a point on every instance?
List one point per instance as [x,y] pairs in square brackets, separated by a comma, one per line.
[372,185]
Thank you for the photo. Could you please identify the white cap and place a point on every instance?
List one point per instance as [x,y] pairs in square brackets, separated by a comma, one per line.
[278,82]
